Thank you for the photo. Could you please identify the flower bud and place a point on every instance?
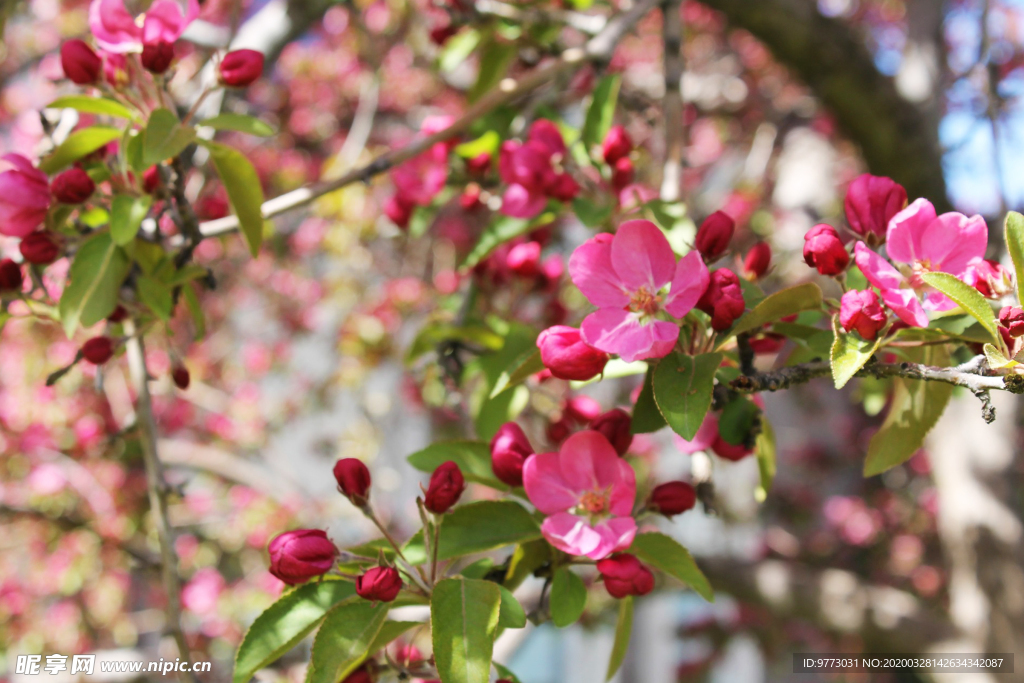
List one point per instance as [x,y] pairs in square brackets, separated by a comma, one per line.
[299,555]
[863,312]
[673,498]
[181,377]
[98,350]
[729,451]
[524,259]
[39,248]
[81,63]
[714,235]
[757,260]
[617,145]
[565,188]
[115,70]
[118,315]
[480,164]
[989,278]
[353,479]
[11,276]
[360,675]
[615,425]
[581,409]
[622,174]
[398,210]
[723,299]
[239,68]
[624,575]
[151,179]
[73,186]
[871,201]
[824,250]
[379,584]
[1012,318]
[157,57]
[563,351]
[445,487]
[509,450]
[25,197]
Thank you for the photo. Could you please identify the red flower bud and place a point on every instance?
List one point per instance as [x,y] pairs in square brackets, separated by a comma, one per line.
[824,250]
[398,210]
[871,202]
[118,315]
[11,276]
[714,235]
[615,425]
[353,479]
[469,200]
[509,450]
[863,312]
[379,584]
[73,186]
[723,299]
[622,174]
[299,555]
[625,575]
[757,260]
[564,352]
[564,189]
[724,449]
[39,248]
[98,350]
[180,376]
[239,68]
[151,179]
[480,164]
[360,675]
[617,145]
[445,487]
[582,409]
[157,57]
[673,498]
[81,63]
[1012,318]
[524,259]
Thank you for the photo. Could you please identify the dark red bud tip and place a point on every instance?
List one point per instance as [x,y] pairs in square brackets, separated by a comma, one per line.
[240,68]
[379,584]
[11,277]
[157,57]
[181,377]
[445,487]
[714,235]
[825,251]
[673,498]
[299,555]
[39,248]
[757,260]
[151,179]
[73,186]
[616,425]
[360,675]
[119,314]
[509,450]
[353,479]
[98,350]
[625,575]
[80,62]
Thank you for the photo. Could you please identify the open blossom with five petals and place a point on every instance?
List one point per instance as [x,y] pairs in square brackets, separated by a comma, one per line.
[587,491]
[624,275]
[921,241]
[117,31]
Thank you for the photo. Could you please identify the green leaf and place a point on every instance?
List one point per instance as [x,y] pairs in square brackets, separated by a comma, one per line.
[196,311]
[344,639]
[435,334]
[92,105]
[77,145]
[590,213]
[665,553]
[849,353]
[512,614]
[501,230]
[916,407]
[464,620]
[525,366]
[156,295]
[506,673]
[766,463]
[478,527]
[99,268]
[1013,231]
[457,50]
[623,630]
[495,58]
[126,216]
[967,298]
[783,303]
[647,417]
[282,625]
[472,457]
[488,143]
[568,597]
[164,137]
[682,389]
[240,123]
[527,558]
[389,631]
[996,359]
[244,191]
[601,112]
[737,419]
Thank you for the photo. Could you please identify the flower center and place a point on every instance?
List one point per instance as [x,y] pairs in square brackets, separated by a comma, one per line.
[594,502]
[644,302]
[919,269]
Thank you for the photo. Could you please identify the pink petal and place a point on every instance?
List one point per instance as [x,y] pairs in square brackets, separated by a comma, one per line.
[616,534]
[703,439]
[642,256]
[938,302]
[688,285]
[545,487]
[113,26]
[571,534]
[905,304]
[907,232]
[876,269]
[589,462]
[166,20]
[623,490]
[519,202]
[590,268]
[614,330]
[954,240]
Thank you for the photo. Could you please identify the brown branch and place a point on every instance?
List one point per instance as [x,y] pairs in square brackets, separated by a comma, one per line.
[599,48]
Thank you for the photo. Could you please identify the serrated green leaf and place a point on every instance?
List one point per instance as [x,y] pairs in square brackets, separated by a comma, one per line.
[477,527]
[472,457]
[77,145]
[996,359]
[1013,232]
[282,625]
[92,105]
[568,598]
[623,630]
[512,614]
[344,638]
[126,216]
[967,298]
[464,620]
[601,111]
[775,306]
[164,138]
[683,386]
[240,123]
[647,417]
[98,270]
[245,193]
[665,553]
[849,353]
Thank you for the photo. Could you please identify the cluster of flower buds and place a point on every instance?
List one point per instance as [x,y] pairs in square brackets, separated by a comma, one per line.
[533,173]
[615,150]
[723,299]
[625,575]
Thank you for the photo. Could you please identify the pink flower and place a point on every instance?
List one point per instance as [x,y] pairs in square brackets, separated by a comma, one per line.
[421,178]
[861,311]
[871,202]
[923,242]
[116,30]
[623,276]
[24,197]
[587,491]
[530,169]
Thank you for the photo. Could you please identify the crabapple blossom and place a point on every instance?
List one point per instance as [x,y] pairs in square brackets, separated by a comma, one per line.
[871,202]
[379,584]
[353,477]
[445,487]
[1012,318]
[532,171]
[117,31]
[714,235]
[299,555]
[615,425]
[24,197]
[509,450]
[567,356]
[824,250]
[80,62]
[862,311]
